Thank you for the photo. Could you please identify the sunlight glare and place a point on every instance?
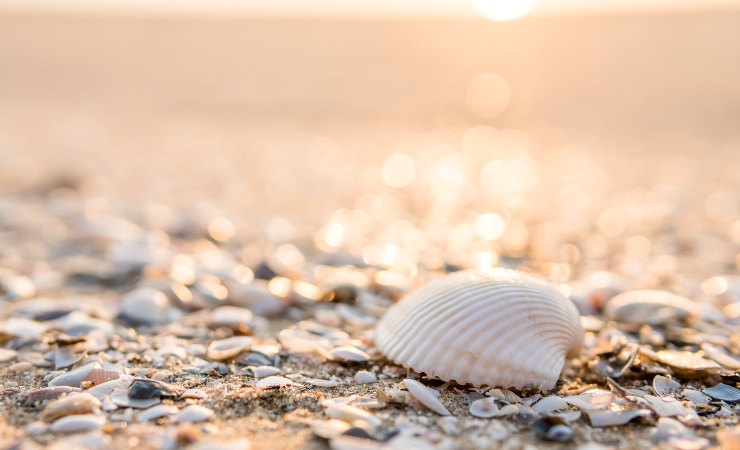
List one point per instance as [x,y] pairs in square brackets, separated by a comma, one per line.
[504,10]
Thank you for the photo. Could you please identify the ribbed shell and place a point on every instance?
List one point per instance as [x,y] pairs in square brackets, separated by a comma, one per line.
[496,327]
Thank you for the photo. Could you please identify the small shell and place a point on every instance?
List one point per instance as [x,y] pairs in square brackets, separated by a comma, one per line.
[724,392]
[82,403]
[686,362]
[349,353]
[264,371]
[194,393]
[365,377]
[426,396]
[120,397]
[229,347]
[721,357]
[696,397]
[667,406]
[193,414]
[496,327]
[609,418]
[350,414]
[147,306]
[75,377]
[156,412]
[592,400]
[550,404]
[484,408]
[650,307]
[78,423]
[231,316]
[664,385]
[48,393]
[274,382]
[329,429]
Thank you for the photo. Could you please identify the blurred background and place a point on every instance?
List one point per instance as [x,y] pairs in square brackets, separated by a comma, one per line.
[296,119]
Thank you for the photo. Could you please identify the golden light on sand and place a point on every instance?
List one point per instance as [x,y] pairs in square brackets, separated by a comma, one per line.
[504,10]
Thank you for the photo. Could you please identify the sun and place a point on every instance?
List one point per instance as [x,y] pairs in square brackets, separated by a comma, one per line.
[504,10]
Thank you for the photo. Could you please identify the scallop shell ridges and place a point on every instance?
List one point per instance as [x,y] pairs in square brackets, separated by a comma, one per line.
[495,327]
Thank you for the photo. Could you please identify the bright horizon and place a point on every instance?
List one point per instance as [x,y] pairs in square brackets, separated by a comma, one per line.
[371,8]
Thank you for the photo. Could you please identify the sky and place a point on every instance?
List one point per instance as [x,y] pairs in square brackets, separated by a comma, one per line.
[494,9]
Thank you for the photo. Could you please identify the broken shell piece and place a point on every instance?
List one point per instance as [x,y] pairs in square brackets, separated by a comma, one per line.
[721,357]
[263,371]
[74,377]
[723,392]
[484,408]
[504,395]
[143,389]
[229,347]
[365,377]
[334,382]
[349,353]
[46,394]
[329,429]
[351,414]
[667,406]
[78,423]
[664,385]
[156,412]
[592,400]
[549,404]
[452,329]
[611,418]
[552,429]
[194,393]
[100,376]
[274,382]
[650,307]
[81,403]
[426,396]
[696,397]
[686,362]
[193,414]
[120,397]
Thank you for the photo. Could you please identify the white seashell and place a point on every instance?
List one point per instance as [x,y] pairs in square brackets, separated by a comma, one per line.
[229,347]
[504,396]
[322,383]
[495,327]
[78,423]
[664,385]
[194,393]
[549,404]
[148,306]
[104,390]
[7,355]
[156,412]
[484,408]
[696,397]
[592,400]
[351,414]
[609,418]
[74,377]
[329,429]
[193,414]
[426,396]
[120,397]
[275,381]
[650,307]
[349,353]
[508,410]
[721,357]
[265,371]
[667,406]
[82,403]
[231,316]
[365,377]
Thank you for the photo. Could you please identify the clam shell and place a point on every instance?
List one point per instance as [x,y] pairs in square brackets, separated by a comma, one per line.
[724,392]
[426,396]
[495,327]
[193,414]
[484,408]
[650,306]
[82,403]
[78,423]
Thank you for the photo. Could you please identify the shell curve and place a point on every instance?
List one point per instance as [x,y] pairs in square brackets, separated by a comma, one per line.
[494,327]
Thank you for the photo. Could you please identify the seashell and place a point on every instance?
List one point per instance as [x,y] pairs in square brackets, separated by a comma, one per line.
[64,357]
[157,412]
[99,376]
[495,327]
[144,389]
[667,406]
[686,362]
[426,396]
[148,306]
[264,371]
[7,355]
[365,377]
[664,385]
[592,400]
[696,397]
[721,357]
[229,347]
[484,408]
[231,316]
[329,429]
[552,429]
[351,414]
[508,410]
[106,389]
[78,423]
[275,382]
[349,353]
[74,378]
[723,392]
[610,418]
[120,397]
[48,393]
[193,414]
[194,393]
[322,383]
[82,403]
[504,396]
[20,367]
[549,404]
[650,307]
